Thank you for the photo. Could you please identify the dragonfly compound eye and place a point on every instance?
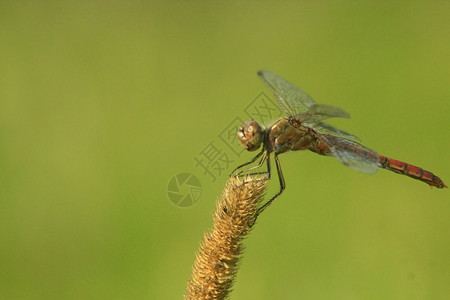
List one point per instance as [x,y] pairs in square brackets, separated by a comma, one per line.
[250,135]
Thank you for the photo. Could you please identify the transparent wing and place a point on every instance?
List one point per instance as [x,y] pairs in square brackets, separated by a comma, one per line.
[295,102]
[325,128]
[352,154]
[292,100]
[321,112]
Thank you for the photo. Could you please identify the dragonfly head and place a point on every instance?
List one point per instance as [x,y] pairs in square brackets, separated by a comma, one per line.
[250,135]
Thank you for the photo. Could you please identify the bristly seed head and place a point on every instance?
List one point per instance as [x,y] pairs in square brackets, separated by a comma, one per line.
[250,135]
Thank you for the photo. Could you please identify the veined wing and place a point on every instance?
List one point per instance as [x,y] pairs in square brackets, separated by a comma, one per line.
[325,128]
[292,100]
[352,154]
[295,102]
[321,112]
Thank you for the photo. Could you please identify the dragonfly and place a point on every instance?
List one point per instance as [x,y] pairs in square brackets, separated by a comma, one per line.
[303,128]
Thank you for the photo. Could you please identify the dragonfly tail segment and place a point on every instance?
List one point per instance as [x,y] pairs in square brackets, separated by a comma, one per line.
[411,171]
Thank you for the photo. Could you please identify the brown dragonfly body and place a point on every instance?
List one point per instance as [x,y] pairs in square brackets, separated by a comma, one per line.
[304,129]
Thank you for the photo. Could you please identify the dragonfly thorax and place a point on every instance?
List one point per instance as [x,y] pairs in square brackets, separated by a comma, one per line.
[251,135]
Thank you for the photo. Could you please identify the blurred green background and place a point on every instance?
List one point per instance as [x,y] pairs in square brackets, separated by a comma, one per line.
[102,103]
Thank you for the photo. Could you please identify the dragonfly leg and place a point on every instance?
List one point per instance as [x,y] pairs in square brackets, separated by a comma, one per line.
[247,163]
[265,157]
[268,168]
[282,187]
[261,162]
[267,172]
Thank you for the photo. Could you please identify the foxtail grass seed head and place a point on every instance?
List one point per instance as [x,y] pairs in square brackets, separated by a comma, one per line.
[216,263]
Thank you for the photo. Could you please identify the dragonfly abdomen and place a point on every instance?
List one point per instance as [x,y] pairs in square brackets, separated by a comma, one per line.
[411,171]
